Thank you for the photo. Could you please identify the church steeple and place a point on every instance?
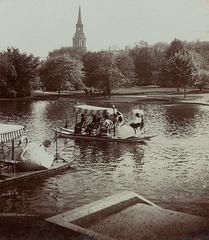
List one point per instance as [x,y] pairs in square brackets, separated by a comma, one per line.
[79,16]
[79,39]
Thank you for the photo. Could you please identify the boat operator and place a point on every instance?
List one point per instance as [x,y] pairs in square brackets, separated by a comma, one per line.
[138,122]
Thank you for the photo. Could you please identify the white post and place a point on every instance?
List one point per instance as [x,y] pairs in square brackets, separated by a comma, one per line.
[113,106]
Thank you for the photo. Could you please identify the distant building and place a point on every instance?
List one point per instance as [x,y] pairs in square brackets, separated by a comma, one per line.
[79,39]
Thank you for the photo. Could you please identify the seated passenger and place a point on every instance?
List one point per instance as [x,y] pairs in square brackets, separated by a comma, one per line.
[107,125]
[92,125]
[79,125]
[96,127]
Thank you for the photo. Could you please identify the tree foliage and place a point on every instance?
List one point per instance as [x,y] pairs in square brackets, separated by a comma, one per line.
[108,74]
[175,46]
[176,65]
[90,61]
[61,73]
[67,52]
[106,71]
[201,79]
[18,71]
[7,78]
[125,65]
[142,57]
[180,69]
[158,55]
[201,48]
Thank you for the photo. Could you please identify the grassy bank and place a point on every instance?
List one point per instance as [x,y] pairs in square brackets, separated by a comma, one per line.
[125,94]
[135,94]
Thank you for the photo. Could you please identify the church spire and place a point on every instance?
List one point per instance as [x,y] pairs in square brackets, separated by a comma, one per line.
[79,39]
[79,16]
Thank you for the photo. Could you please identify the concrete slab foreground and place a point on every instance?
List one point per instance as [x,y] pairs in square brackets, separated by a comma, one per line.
[128,215]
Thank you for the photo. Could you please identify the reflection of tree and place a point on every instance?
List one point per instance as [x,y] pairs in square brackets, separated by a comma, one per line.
[95,151]
[120,163]
[31,198]
[181,119]
[18,109]
[108,152]
[129,166]
[136,151]
[125,171]
[13,199]
[59,111]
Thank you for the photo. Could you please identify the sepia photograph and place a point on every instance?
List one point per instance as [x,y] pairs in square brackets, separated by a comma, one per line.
[104,120]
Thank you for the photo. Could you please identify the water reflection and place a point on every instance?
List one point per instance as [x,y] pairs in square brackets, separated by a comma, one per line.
[14,111]
[128,168]
[172,169]
[39,121]
[182,120]
[96,151]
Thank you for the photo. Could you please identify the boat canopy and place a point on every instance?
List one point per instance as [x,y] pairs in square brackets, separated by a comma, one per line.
[88,109]
[9,132]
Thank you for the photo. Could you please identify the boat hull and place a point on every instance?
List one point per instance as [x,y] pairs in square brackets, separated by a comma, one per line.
[14,179]
[32,166]
[68,133]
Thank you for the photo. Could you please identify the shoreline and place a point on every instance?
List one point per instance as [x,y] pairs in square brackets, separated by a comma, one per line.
[121,96]
[120,99]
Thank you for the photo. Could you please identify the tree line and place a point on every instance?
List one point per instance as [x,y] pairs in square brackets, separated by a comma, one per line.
[178,64]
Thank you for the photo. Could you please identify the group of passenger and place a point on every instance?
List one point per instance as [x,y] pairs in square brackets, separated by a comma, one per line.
[106,124]
[96,126]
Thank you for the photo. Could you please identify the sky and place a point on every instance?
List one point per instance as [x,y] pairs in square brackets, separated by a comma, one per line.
[39,26]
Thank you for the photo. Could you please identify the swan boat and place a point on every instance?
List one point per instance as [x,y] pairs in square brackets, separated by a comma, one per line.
[31,157]
[8,134]
[26,164]
[114,130]
[16,178]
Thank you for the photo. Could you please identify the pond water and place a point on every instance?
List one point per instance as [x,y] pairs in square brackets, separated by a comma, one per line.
[171,170]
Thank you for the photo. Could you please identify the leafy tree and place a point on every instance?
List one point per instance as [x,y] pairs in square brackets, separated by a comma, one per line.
[201,79]
[7,77]
[126,66]
[61,73]
[142,57]
[175,46]
[36,84]
[198,59]
[158,53]
[180,69]
[202,48]
[165,77]
[67,52]
[25,68]
[90,61]
[106,71]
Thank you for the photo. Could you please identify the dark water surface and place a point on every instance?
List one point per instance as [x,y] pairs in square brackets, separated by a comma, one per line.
[171,170]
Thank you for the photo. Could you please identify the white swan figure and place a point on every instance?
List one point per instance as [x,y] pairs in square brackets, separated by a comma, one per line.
[127,131]
[35,157]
